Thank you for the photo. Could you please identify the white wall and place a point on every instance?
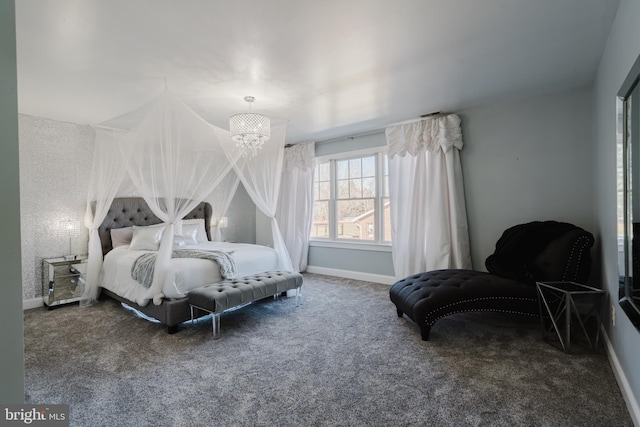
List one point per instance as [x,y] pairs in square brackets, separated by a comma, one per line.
[527,161]
[622,49]
[11,331]
[241,217]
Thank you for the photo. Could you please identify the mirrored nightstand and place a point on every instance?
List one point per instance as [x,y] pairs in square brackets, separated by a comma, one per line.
[62,280]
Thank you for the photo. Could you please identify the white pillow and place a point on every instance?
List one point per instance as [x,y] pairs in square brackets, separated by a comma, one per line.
[179,241]
[146,238]
[189,234]
[121,236]
[189,224]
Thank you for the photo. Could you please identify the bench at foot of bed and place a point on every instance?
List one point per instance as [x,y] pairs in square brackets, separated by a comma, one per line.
[219,297]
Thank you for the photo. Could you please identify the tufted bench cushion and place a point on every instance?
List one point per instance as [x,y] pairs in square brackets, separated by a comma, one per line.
[427,297]
[219,297]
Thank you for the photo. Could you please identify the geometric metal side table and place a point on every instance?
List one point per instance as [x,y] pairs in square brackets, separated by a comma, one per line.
[570,305]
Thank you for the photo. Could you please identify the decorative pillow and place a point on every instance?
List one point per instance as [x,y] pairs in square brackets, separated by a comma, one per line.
[179,241]
[121,236]
[190,234]
[201,235]
[146,238]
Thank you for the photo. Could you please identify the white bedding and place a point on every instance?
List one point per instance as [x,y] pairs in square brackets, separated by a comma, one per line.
[184,274]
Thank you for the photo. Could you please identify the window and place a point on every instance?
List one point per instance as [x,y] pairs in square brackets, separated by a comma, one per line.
[351,199]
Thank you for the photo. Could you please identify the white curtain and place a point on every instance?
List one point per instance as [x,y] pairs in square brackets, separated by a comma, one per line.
[261,176]
[428,214]
[220,199]
[295,207]
[107,175]
[175,160]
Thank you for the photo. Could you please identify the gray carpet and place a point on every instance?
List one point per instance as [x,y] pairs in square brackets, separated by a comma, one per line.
[342,358]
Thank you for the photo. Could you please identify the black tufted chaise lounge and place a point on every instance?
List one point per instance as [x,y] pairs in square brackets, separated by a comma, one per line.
[526,253]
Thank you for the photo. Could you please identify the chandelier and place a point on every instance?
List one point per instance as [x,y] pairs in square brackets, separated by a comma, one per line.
[249,130]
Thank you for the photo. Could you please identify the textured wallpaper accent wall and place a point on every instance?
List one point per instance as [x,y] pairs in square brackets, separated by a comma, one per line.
[55,160]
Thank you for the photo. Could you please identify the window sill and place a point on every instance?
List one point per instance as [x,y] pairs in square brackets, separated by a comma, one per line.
[375,247]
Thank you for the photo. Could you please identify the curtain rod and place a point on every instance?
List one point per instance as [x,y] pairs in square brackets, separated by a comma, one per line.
[353,136]
[422,117]
[381,130]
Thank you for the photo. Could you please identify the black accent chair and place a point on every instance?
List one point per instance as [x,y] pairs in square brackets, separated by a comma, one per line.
[526,253]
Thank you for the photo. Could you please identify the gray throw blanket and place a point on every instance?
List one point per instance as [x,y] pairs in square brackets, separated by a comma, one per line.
[144,266]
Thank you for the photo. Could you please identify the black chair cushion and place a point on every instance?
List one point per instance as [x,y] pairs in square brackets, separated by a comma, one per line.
[517,253]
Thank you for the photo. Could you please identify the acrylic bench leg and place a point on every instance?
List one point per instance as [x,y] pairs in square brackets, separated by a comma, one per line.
[216,325]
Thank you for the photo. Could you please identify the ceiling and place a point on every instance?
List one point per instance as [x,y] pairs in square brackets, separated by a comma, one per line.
[328,68]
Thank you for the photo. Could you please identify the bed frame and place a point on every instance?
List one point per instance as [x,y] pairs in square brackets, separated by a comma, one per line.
[129,211]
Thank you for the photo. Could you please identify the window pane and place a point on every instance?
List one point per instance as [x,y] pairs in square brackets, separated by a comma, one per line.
[342,166]
[369,166]
[316,190]
[356,219]
[351,187]
[355,168]
[323,170]
[343,189]
[320,226]
[368,187]
[355,188]
[386,215]
[324,191]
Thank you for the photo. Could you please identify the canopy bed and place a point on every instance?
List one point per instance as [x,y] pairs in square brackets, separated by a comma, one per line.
[147,250]
[184,274]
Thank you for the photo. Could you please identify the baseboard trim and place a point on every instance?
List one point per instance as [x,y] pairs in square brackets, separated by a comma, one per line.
[355,275]
[623,383]
[28,304]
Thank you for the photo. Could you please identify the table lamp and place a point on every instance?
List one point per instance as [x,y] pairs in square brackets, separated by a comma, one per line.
[69,229]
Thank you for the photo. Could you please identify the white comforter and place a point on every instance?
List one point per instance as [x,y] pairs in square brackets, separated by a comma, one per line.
[184,274]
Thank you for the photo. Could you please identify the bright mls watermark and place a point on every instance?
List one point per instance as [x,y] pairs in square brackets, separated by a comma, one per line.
[34,415]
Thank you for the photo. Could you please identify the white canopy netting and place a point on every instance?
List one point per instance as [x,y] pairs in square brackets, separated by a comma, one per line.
[174,160]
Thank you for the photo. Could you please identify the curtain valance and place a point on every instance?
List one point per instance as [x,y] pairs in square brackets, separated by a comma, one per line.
[429,134]
[299,156]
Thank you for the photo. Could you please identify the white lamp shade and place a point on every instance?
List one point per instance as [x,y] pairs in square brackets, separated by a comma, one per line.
[69,228]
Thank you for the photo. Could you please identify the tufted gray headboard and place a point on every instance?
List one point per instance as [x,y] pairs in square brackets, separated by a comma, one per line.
[128,211]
